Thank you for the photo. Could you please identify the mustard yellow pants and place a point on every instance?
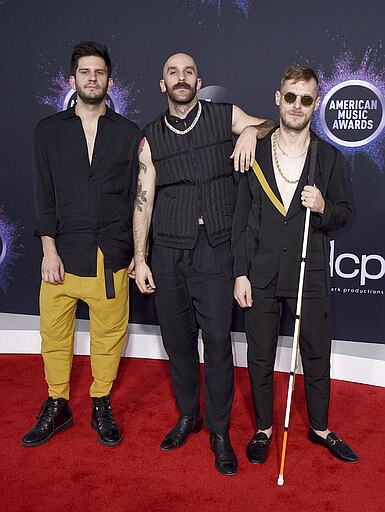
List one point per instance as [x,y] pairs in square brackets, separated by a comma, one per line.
[108,325]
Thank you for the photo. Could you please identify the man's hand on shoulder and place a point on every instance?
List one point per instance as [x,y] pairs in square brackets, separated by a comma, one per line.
[244,151]
[249,129]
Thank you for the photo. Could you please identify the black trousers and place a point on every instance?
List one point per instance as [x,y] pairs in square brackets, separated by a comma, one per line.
[262,329]
[194,289]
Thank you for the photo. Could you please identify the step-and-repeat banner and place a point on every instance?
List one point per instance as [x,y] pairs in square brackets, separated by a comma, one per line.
[242,48]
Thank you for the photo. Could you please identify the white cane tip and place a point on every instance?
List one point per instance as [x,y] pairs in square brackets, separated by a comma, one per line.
[280,480]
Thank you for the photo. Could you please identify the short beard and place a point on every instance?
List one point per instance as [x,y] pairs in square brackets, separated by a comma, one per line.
[93,100]
[184,101]
[295,127]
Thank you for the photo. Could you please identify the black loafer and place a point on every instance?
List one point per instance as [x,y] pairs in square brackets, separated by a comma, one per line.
[225,459]
[335,445]
[258,448]
[55,416]
[177,437]
[104,423]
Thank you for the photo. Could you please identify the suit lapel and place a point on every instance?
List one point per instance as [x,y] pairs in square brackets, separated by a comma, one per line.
[268,170]
[266,166]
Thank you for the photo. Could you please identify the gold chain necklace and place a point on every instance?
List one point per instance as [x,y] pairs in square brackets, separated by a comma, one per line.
[288,156]
[183,132]
[292,182]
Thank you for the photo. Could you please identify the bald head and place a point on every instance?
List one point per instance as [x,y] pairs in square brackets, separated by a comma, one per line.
[180,81]
[179,60]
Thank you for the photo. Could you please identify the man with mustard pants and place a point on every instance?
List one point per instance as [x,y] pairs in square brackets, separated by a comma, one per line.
[85,171]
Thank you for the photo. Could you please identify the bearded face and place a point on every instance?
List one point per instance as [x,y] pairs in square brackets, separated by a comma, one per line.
[295,116]
[180,79]
[91,80]
[182,92]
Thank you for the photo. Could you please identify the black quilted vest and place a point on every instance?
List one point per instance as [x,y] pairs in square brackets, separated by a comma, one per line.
[194,178]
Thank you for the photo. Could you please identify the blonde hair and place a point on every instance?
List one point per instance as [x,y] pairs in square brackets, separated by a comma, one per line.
[298,73]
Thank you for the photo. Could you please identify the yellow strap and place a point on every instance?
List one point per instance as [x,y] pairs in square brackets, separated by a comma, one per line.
[266,187]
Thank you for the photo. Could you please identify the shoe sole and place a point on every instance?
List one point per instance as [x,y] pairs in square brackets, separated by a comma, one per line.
[104,443]
[223,473]
[67,425]
[174,447]
[256,462]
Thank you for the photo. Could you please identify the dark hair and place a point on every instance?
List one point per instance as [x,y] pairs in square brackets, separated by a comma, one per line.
[297,73]
[87,49]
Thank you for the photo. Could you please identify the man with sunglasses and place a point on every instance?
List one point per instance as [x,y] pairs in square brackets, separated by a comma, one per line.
[267,240]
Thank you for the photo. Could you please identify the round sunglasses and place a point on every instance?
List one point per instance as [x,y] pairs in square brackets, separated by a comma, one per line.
[306,99]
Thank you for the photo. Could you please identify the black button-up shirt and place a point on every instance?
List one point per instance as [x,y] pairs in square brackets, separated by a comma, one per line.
[85,206]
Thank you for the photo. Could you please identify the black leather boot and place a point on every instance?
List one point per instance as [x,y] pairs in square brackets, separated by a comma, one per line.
[177,437]
[55,416]
[226,461]
[104,423]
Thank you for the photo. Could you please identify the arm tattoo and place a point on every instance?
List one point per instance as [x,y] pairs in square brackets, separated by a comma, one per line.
[142,166]
[140,197]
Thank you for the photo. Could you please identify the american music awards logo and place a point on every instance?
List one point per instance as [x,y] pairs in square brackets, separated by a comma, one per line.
[352,117]
[353,113]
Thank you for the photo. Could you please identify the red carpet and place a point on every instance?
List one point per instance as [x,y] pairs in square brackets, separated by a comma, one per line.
[75,473]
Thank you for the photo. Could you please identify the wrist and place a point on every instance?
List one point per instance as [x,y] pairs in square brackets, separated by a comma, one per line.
[253,128]
[139,259]
[49,251]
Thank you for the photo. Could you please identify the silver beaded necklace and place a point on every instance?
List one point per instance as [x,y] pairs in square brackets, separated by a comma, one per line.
[183,132]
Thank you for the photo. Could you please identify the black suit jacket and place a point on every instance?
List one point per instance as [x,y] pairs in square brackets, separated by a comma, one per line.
[267,244]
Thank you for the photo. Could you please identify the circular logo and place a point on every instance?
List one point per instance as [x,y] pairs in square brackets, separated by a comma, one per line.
[70,101]
[214,93]
[3,247]
[353,113]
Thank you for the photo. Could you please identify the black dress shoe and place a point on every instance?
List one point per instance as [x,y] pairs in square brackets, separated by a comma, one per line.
[258,448]
[55,416]
[225,459]
[104,423]
[335,445]
[177,437]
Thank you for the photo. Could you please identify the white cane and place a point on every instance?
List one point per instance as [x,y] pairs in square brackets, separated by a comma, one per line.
[297,325]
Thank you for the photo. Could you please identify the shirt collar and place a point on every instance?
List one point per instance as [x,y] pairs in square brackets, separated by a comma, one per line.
[69,113]
[175,120]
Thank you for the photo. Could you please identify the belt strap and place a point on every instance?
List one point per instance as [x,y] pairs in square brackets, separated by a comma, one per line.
[268,191]
[109,282]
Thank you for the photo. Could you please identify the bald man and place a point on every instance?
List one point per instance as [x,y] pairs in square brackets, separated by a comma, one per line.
[185,160]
